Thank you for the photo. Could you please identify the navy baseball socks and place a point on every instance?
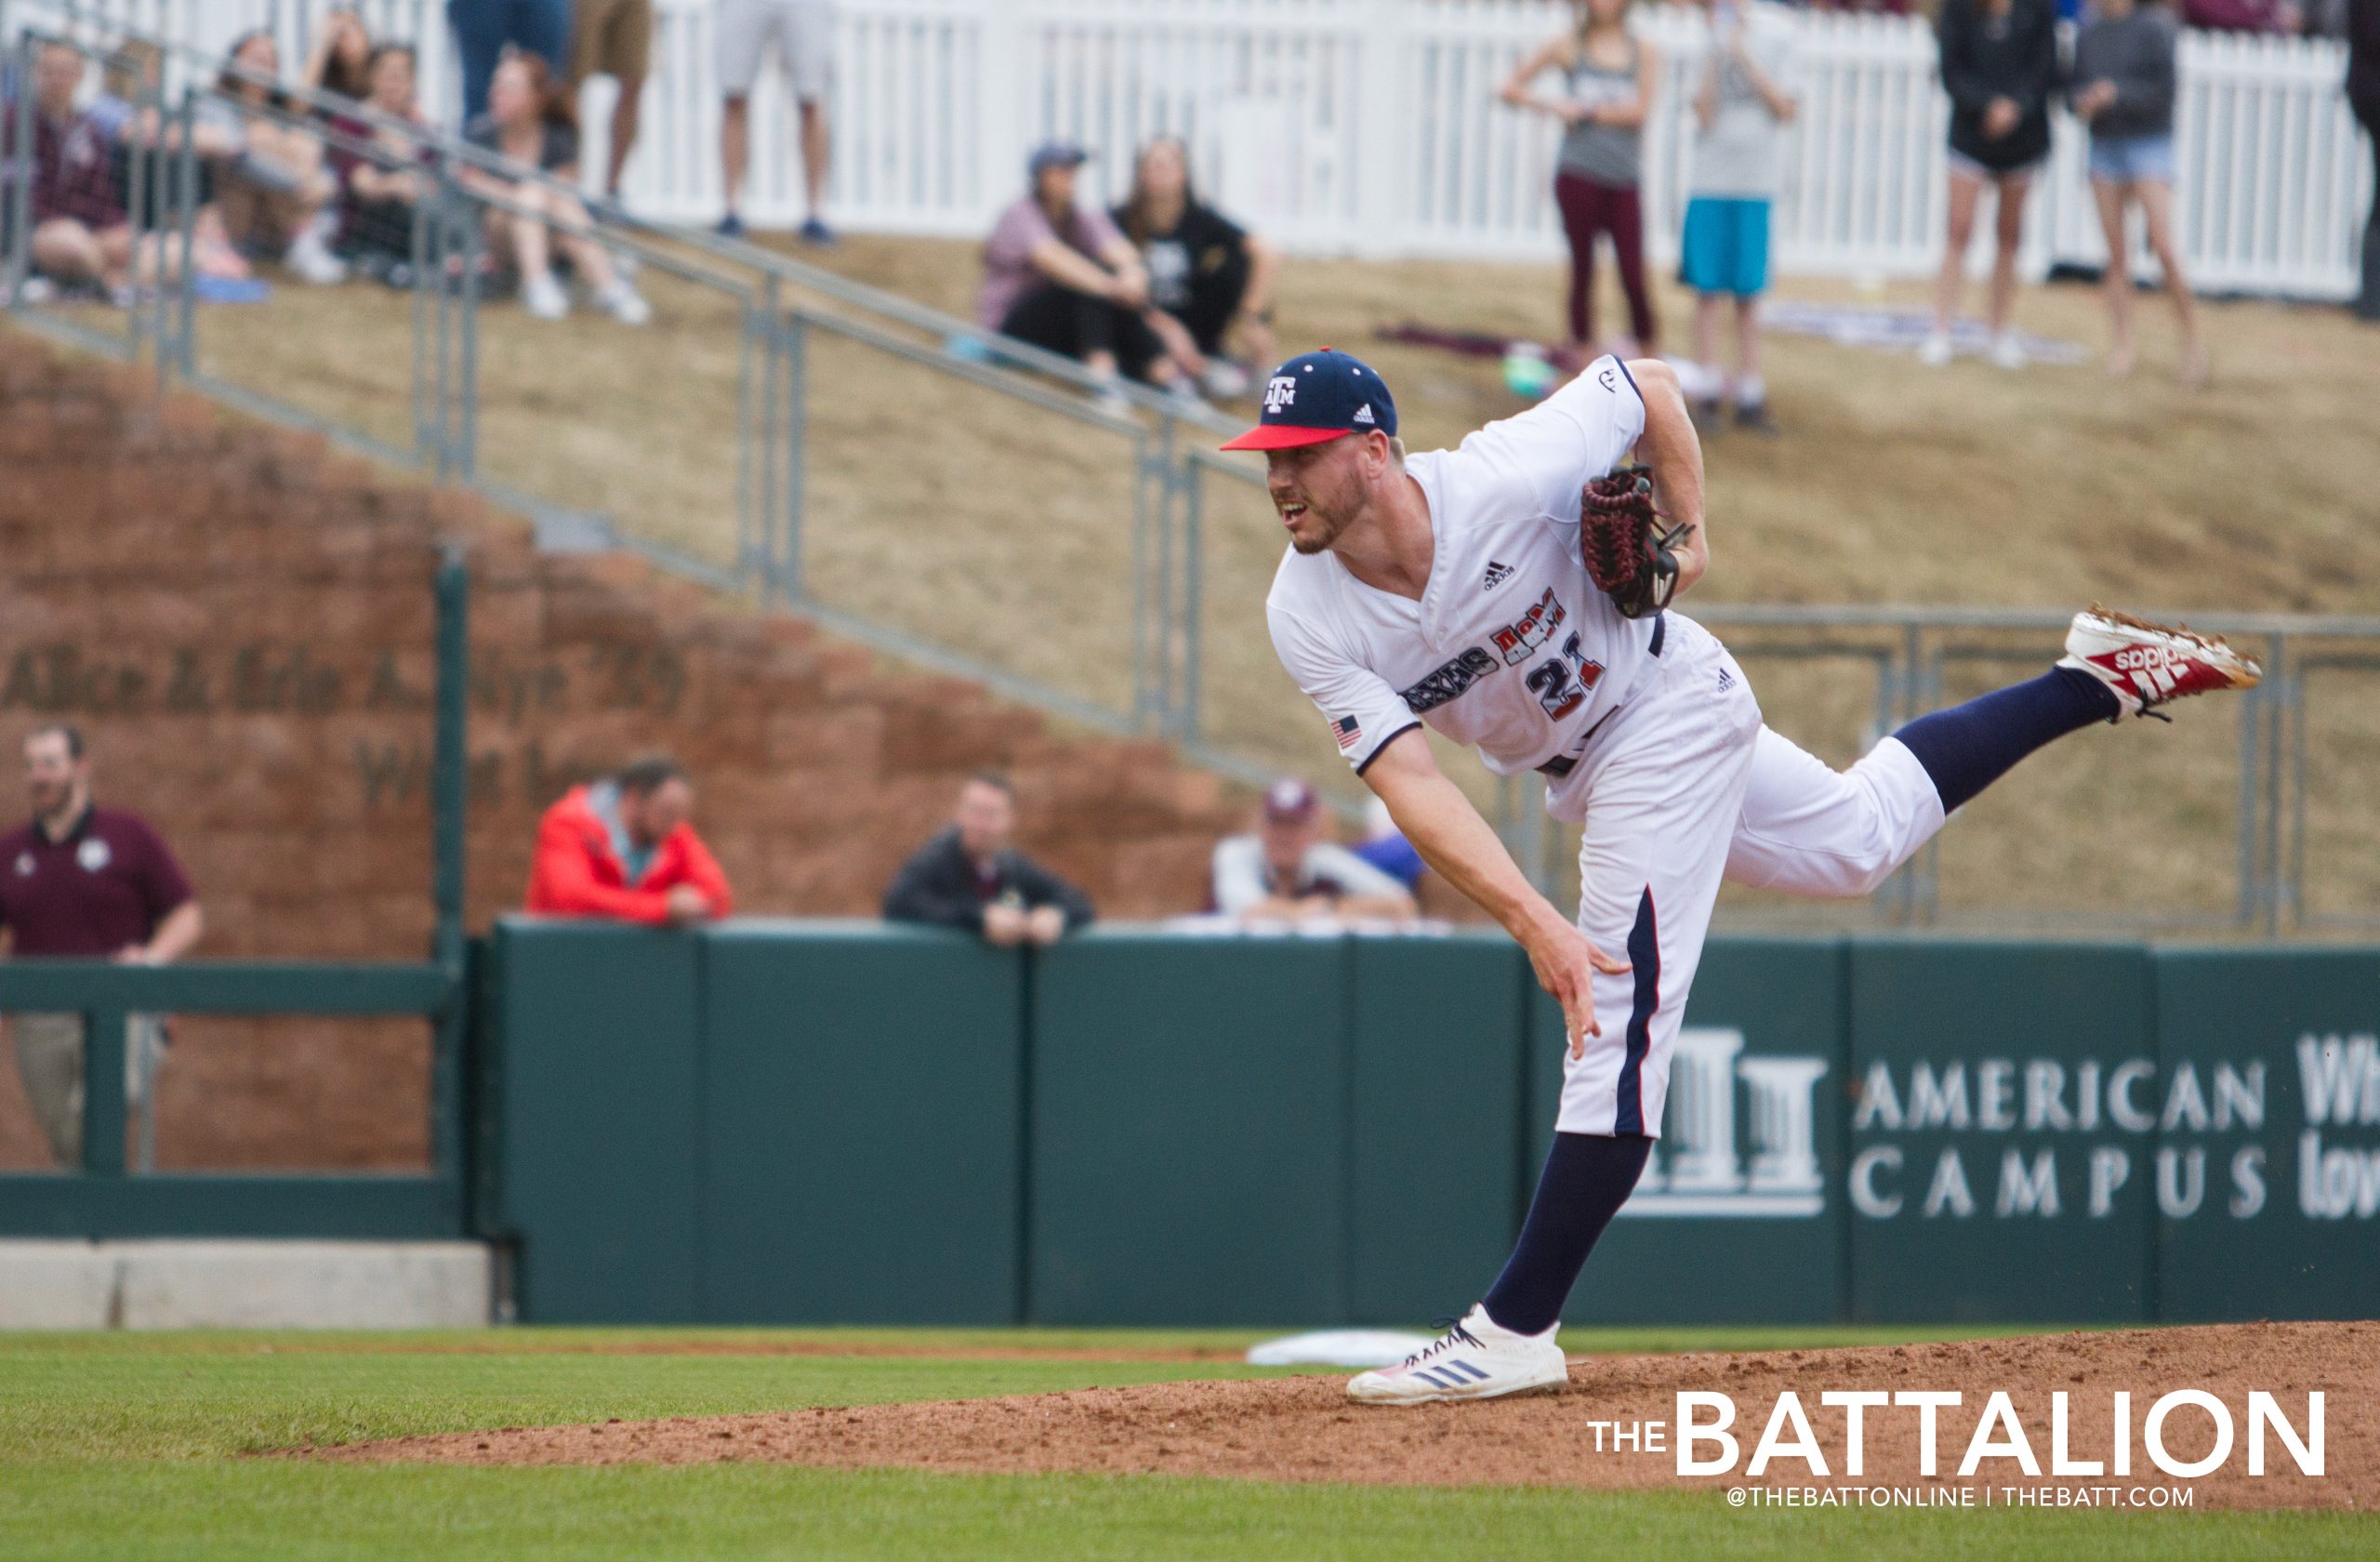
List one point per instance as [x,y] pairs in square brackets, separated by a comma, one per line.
[1587,1178]
[1968,746]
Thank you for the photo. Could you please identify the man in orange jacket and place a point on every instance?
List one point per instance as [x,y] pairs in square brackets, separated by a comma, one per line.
[622,848]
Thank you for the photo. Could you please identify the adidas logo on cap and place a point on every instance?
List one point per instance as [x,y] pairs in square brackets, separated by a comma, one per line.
[1364,415]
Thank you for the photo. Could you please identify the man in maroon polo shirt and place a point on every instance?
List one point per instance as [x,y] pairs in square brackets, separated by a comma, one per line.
[84,882]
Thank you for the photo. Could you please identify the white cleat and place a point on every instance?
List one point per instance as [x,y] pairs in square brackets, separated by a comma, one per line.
[1474,1360]
[2148,664]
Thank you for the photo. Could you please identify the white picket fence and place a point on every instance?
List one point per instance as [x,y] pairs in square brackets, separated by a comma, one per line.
[1370,127]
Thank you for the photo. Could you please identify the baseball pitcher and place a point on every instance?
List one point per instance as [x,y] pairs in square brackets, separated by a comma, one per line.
[1513,594]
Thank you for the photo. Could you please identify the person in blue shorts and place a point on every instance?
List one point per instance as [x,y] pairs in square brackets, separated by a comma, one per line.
[2123,83]
[1747,94]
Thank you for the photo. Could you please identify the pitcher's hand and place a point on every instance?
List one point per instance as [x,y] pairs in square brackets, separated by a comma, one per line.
[1566,964]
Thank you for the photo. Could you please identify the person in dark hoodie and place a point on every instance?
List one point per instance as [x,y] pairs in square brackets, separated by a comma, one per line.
[2000,67]
[2122,88]
[2363,91]
[970,878]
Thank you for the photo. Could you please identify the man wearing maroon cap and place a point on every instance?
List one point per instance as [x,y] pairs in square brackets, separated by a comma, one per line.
[84,883]
[1287,872]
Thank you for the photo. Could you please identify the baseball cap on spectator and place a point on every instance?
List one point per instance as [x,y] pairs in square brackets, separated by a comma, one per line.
[1290,801]
[1054,155]
[1320,396]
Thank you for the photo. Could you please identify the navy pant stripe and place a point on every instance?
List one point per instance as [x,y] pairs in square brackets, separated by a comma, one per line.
[1644,959]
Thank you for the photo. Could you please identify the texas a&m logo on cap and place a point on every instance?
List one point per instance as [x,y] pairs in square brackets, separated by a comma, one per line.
[1317,397]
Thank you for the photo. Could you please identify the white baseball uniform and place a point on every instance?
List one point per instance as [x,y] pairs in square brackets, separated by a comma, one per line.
[1646,728]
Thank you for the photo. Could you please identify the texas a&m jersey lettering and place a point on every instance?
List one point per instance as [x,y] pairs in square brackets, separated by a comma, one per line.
[1449,681]
[1533,629]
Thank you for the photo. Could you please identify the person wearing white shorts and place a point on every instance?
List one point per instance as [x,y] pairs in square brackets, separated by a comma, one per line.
[801,35]
[1447,591]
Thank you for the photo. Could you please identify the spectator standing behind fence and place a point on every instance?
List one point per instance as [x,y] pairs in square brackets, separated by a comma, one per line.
[970,877]
[86,882]
[2123,90]
[382,186]
[1058,274]
[1748,90]
[2363,92]
[1608,76]
[622,848]
[1209,278]
[484,29]
[1288,871]
[2000,66]
[802,34]
[273,184]
[615,38]
[529,120]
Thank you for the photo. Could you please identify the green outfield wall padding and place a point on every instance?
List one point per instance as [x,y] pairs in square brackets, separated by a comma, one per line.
[1999,1092]
[862,1103]
[1189,1119]
[843,1123]
[2267,1168]
[1433,1178]
[598,1099]
[1739,1214]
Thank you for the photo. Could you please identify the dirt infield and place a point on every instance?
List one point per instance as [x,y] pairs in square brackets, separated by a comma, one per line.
[1304,1429]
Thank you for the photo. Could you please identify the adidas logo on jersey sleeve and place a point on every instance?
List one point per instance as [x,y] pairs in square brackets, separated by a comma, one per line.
[1496,574]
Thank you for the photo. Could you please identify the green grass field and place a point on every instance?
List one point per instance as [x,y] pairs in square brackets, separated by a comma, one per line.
[118,1447]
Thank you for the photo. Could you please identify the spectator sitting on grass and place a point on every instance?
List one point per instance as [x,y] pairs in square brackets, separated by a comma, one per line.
[141,138]
[81,234]
[271,183]
[622,849]
[384,185]
[340,61]
[972,878]
[530,121]
[1287,871]
[1058,274]
[1208,277]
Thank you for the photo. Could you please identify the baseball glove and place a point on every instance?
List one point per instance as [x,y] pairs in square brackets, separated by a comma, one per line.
[1626,551]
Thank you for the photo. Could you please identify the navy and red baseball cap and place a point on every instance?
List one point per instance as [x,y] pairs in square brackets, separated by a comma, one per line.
[1319,396]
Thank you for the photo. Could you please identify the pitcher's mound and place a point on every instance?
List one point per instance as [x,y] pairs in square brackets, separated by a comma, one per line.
[1305,1429]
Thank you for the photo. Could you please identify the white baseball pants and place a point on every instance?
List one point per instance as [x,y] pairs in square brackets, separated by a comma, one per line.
[1682,789]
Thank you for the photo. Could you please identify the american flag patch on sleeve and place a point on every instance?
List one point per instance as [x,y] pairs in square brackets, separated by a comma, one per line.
[1348,731]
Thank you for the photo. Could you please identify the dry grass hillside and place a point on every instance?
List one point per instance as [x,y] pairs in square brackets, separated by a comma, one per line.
[1003,529]
[1901,484]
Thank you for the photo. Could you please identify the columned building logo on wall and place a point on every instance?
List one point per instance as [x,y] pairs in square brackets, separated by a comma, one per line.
[1700,1168]
[2009,1137]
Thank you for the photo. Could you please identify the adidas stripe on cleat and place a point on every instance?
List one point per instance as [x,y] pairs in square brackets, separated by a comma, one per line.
[2146,665]
[1475,1359]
